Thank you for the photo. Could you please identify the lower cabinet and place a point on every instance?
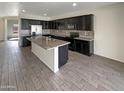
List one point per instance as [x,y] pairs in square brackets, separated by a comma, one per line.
[77,46]
[63,55]
[81,46]
[71,45]
[25,42]
[84,47]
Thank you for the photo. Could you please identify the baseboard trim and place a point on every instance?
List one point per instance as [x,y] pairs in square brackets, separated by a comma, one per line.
[108,58]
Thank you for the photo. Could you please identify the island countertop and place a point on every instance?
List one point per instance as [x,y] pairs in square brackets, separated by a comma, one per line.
[47,42]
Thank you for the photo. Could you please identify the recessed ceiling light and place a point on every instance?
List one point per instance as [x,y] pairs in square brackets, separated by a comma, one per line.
[74,4]
[23,11]
[45,14]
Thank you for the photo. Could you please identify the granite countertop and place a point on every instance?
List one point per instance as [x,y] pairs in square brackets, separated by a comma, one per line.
[60,35]
[84,38]
[47,43]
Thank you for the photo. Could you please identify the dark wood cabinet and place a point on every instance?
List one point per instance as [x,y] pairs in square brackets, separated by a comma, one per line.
[25,24]
[65,24]
[61,24]
[35,22]
[63,55]
[71,24]
[25,42]
[87,22]
[50,24]
[84,23]
[81,46]
[77,45]
[84,47]
[78,23]
[53,25]
[71,40]
[45,24]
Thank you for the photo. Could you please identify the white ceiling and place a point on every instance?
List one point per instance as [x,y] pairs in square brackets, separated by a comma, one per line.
[51,8]
[9,9]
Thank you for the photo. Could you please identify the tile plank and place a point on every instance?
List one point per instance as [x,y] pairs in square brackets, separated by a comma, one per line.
[21,70]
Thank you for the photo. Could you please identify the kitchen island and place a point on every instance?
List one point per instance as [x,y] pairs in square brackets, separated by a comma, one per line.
[52,52]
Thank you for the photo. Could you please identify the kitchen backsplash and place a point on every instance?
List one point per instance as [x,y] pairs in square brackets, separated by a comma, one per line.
[46,31]
[88,34]
[24,32]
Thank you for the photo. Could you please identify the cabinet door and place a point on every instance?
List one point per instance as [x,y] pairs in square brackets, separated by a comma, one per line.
[25,24]
[43,24]
[85,49]
[83,23]
[78,45]
[63,55]
[54,25]
[50,24]
[78,23]
[25,42]
[88,22]
[65,23]
[46,25]
[35,22]
[57,25]
[61,24]
[68,23]
[72,24]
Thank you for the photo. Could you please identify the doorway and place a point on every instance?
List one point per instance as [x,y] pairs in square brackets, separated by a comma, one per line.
[12,30]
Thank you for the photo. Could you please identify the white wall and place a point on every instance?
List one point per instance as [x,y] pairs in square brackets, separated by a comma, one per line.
[1,29]
[109,30]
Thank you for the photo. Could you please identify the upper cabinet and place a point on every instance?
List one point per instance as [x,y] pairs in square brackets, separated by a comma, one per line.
[25,24]
[45,24]
[83,23]
[35,22]
[87,22]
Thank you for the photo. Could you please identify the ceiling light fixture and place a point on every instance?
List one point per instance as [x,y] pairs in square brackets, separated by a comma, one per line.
[23,11]
[45,14]
[74,4]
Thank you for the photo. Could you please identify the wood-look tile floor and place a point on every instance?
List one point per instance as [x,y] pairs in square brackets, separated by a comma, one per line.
[21,70]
